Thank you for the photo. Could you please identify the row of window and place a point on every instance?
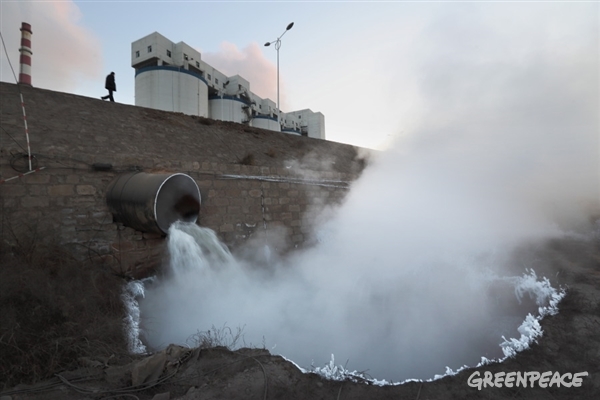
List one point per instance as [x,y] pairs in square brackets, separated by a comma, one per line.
[137,53]
[209,77]
[185,57]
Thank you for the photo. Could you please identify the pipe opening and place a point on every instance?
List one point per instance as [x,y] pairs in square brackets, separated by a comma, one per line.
[152,202]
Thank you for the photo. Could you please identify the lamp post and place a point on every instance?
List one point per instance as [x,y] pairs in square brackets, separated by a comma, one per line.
[277,46]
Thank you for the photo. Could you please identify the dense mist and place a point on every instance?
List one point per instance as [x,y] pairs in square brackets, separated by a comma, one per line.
[501,151]
[403,280]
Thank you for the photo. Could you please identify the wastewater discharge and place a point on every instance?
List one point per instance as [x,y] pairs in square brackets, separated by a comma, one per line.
[413,273]
[416,270]
[398,323]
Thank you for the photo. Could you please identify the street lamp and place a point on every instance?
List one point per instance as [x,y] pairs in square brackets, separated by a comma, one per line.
[277,46]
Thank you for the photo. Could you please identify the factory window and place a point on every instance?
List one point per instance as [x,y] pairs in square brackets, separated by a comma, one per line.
[168,53]
[185,57]
[217,81]
[260,106]
[149,49]
[209,78]
[197,64]
[299,116]
[137,53]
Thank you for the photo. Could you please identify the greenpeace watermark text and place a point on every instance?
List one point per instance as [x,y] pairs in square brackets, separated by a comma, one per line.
[525,379]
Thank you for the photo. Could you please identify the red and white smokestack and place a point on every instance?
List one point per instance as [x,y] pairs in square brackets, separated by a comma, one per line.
[25,50]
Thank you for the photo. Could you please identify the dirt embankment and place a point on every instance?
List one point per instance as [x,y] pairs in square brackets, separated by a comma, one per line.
[99,368]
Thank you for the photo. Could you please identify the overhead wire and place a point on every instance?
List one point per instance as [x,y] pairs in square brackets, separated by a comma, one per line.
[16,80]
[15,140]
[22,104]
[8,58]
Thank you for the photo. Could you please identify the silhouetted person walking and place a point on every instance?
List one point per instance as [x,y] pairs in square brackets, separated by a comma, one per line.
[111,86]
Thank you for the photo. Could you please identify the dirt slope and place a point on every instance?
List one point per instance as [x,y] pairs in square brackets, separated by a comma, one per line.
[570,343]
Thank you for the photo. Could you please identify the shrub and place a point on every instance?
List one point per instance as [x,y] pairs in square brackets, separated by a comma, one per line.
[271,152]
[248,159]
[217,337]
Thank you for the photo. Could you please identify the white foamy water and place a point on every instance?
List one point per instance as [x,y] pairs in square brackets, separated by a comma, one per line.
[195,250]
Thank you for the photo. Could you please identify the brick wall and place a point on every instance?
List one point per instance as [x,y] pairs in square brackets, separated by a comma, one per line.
[248,178]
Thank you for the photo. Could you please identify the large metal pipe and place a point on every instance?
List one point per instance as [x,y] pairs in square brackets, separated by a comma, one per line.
[152,202]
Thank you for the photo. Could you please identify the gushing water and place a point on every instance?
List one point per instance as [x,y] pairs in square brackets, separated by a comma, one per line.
[195,249]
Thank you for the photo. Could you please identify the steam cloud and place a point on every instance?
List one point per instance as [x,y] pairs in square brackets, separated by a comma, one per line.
[502,153]
[400,283]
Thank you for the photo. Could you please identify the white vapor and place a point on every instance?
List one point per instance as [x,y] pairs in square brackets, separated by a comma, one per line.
[503,151]
[403,284]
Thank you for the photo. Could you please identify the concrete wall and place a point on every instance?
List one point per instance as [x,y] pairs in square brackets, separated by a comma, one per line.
[228,108]
[158,49]
[168,89]
[248,177]
[311,122]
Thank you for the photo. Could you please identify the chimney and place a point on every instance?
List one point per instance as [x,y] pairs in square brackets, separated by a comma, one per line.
[25,50]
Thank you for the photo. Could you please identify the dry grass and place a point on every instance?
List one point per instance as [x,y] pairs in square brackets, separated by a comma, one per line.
[271,152]
[217,337]
[54,310]
[206,121]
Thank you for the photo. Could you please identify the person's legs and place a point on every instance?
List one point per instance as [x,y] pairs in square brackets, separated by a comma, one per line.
[108,96]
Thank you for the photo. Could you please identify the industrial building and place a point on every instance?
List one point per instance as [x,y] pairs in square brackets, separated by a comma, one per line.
[173,77]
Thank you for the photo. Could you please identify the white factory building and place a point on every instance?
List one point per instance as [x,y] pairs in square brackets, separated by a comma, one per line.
[172,77]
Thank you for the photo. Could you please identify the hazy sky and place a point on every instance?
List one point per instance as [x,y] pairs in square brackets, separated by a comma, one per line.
[376,70]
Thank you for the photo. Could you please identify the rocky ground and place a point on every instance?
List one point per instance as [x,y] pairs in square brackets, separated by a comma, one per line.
[570,344]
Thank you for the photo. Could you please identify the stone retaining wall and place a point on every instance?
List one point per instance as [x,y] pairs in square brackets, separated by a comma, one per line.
[251,180]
